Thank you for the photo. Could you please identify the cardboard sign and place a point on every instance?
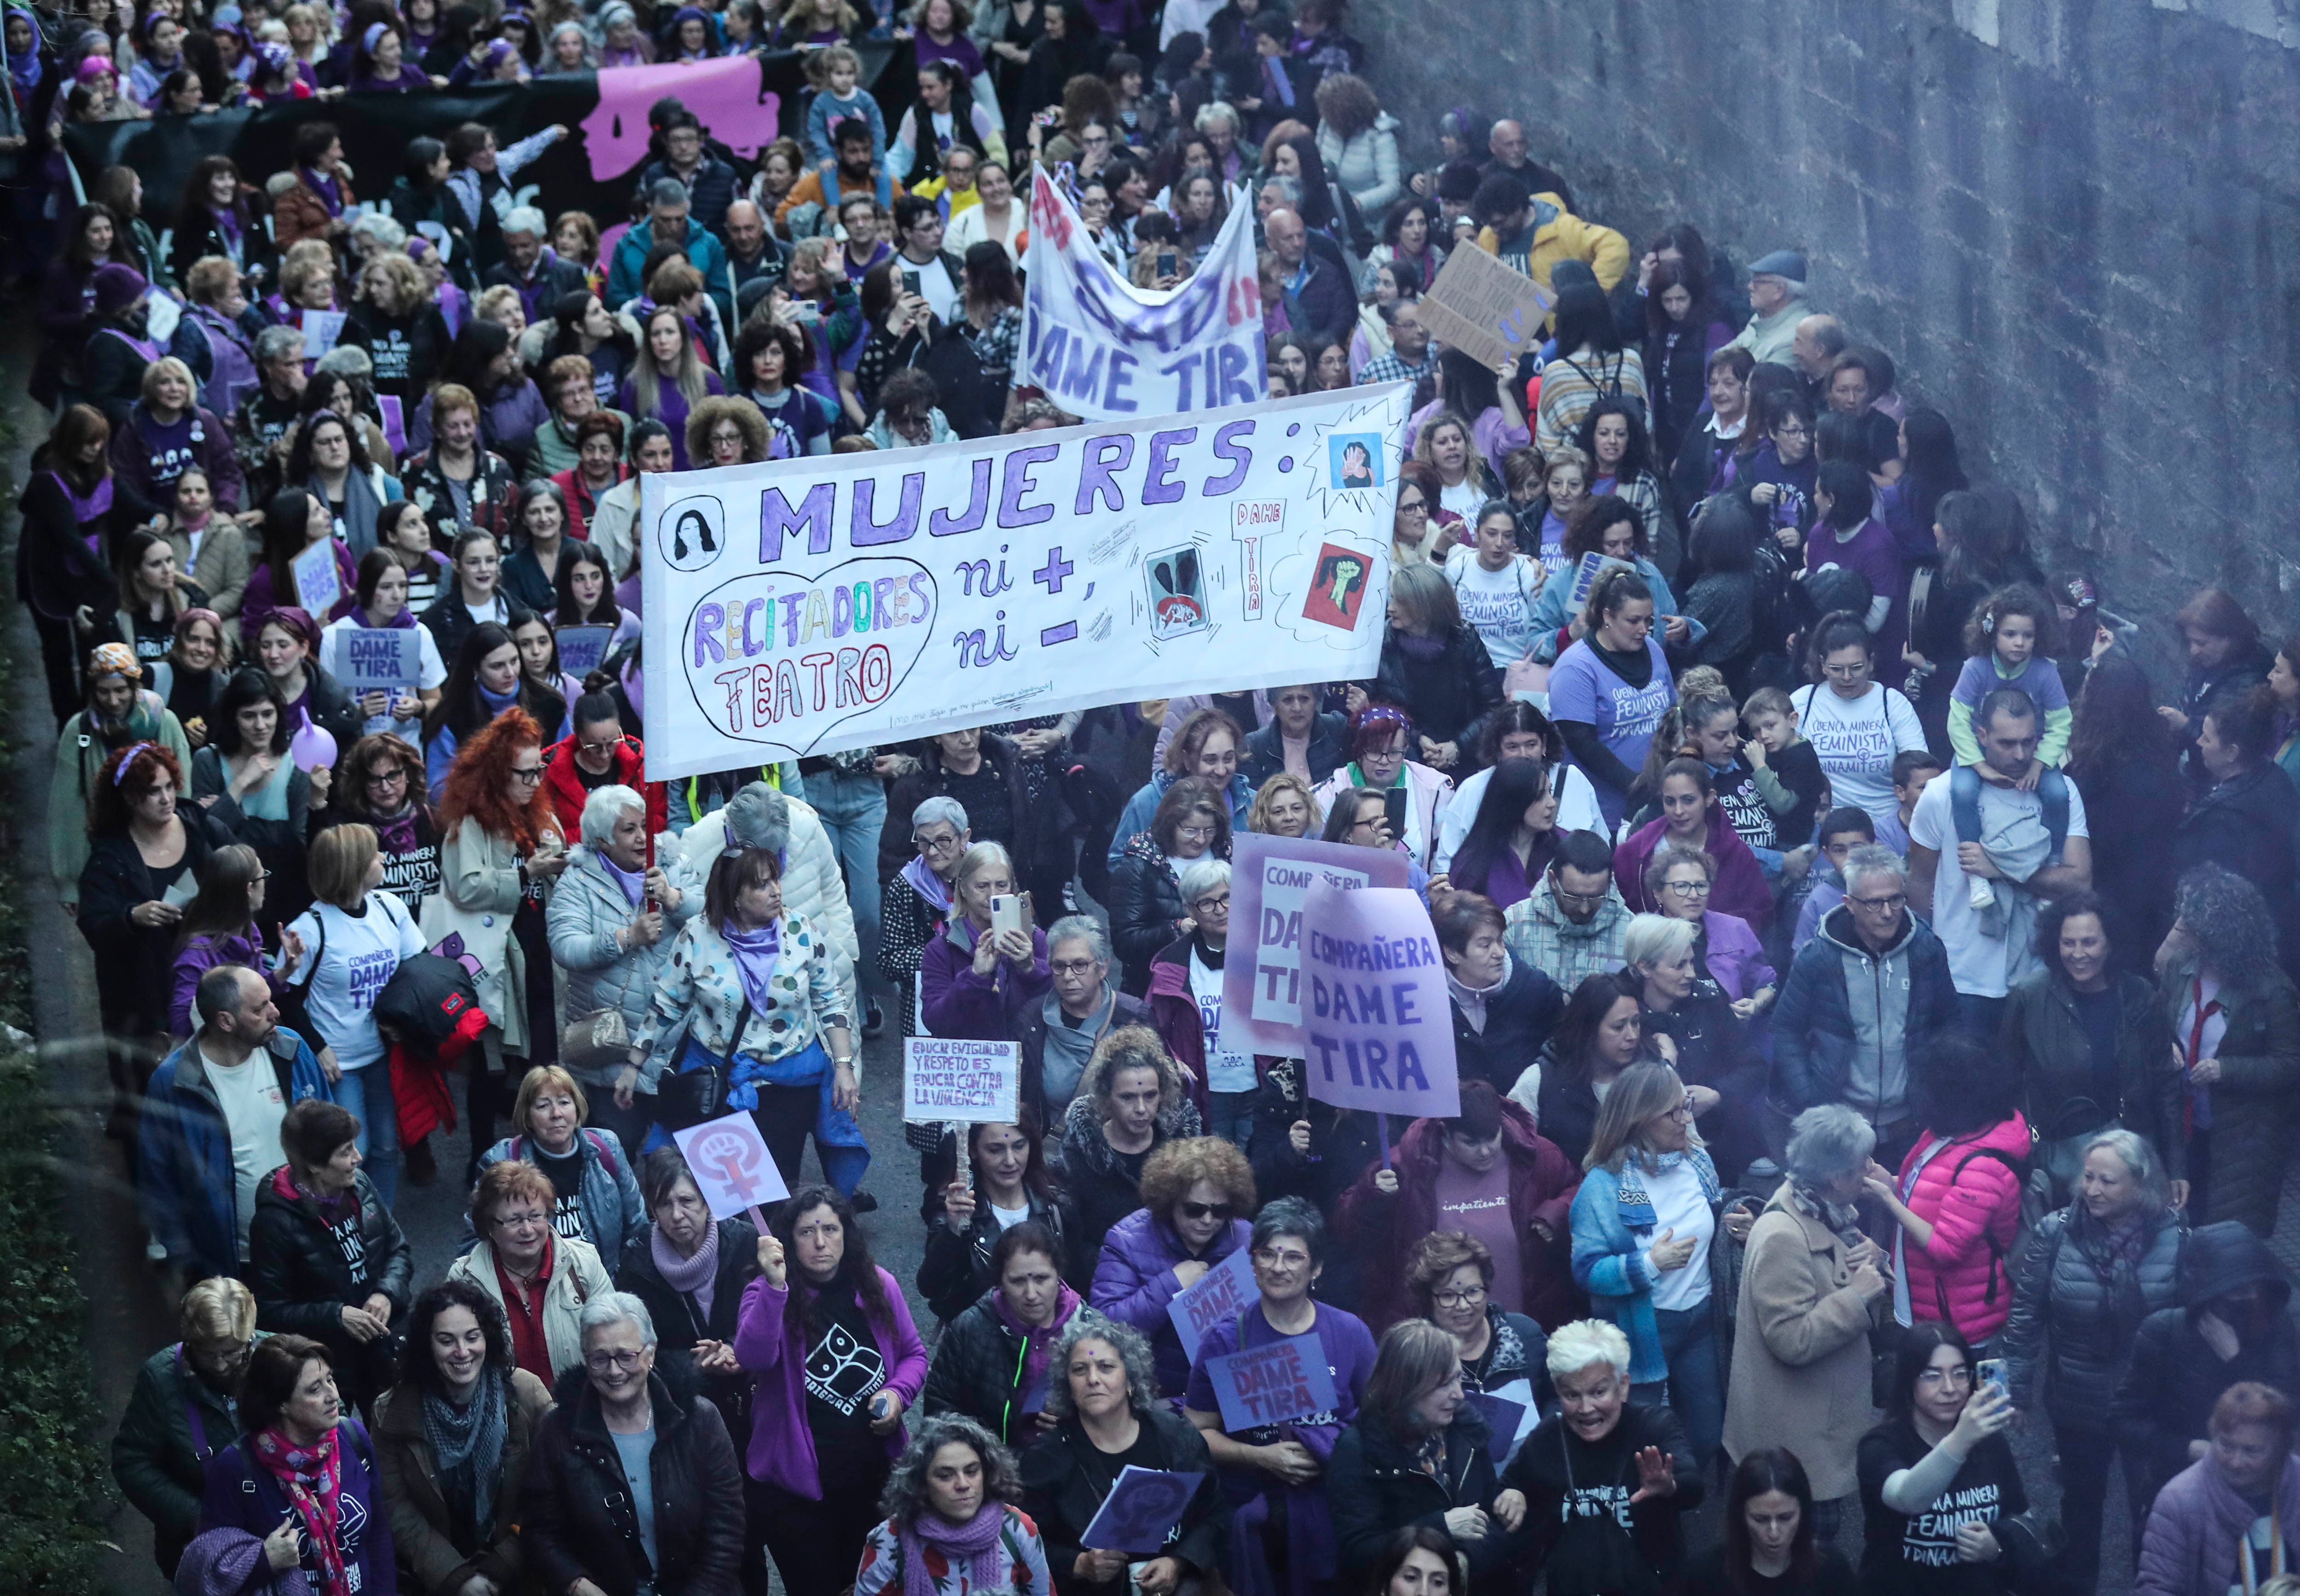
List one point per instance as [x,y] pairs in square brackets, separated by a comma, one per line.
[1485,309]
[732,1167]
[581,648]
[1376,1011]
[1142,1512]
[1267,1385]
[1222,1292]
[379,658]
[321,328]
[949,1078]
[319,585]
[1270,881]
[161,316]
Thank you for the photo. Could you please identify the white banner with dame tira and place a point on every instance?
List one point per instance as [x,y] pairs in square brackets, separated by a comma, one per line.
[806,606]
[1102,347]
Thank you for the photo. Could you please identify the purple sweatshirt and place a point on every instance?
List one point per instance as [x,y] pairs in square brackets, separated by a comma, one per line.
[960,1004]
[768,1345]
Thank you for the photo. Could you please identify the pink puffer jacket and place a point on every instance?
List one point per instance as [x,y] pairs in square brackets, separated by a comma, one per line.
[1972,1199]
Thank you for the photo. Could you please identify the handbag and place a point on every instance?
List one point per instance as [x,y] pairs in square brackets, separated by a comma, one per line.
[691,1096]
[597,1041]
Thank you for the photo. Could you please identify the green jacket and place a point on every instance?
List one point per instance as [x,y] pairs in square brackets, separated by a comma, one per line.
[153,1456]
[80,760]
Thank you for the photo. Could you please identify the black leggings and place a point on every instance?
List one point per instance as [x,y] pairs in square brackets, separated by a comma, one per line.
[816,1545]
[785,1115]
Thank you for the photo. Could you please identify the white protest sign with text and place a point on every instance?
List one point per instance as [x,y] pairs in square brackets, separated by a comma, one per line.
[803,607]
[1270,881]
[948,1078]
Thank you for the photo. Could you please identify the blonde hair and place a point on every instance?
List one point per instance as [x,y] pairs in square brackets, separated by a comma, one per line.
[168,365]
[339,860]
[646,381]
[1257,818]
[207,278]
[542,1079]
[217,1309]
[1639,1093]
[491,302]
[401,276]
[451,395]
[297,271]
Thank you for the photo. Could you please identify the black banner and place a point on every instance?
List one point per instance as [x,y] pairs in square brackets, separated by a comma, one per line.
[376,128]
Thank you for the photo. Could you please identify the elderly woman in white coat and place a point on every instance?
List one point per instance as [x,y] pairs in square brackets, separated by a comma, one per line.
[748,1014]
[611,922]
[763,817]
[1811,1287]
[542,1280]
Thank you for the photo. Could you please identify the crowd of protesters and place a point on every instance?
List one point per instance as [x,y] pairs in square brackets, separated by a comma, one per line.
[1874,1010]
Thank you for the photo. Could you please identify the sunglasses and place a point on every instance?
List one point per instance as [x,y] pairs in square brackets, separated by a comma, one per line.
[1200,1210]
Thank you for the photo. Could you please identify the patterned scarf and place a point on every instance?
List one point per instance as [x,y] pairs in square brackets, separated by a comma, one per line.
[467,1443]
[976,1541]
[311,1478]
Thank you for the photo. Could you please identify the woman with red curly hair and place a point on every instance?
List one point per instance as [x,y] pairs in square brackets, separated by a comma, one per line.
[500,848]
[144,862]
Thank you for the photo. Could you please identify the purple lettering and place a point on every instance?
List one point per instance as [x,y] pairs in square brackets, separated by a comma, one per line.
[1120,378]
[1241,458]
[862,530]
[1158,484]
[942,524]
[777,520]
[708,649]
[1015,481]
[1103,458]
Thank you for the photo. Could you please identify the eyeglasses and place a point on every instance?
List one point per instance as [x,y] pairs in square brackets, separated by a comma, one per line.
[1197,833]
[1683,1112]
[1288,1257]
[1208,905]
[1364,825]
[392,777]
[1792,429]
[1413,507]
[1465,1297]
[1200,1210]
[1071,967]
[1689,889]
[527,773]
[1558,888]
[524,1220]
[1891,904]
[608,746]
[937,845]
[1845,673]
[599,1363]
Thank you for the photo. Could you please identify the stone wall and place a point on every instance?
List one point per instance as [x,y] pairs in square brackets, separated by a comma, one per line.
[2074,224]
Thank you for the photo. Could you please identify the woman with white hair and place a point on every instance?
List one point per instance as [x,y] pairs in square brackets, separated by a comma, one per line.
[1186,1001]
[1605,1480]
[916,901]
[1811,1287]
[2092,1271]
[622,1436]
[953,1494]
[610,923]
[1712,1051]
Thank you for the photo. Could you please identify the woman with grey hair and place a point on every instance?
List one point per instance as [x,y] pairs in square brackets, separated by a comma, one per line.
[2092,1271]
[622,1435]
[1713,1054]
[610,923]
[917,898]
[1086,1004]
[1185,1001]
[2236,1029]
[950,1506]
[1104,1398]
[1810,1283]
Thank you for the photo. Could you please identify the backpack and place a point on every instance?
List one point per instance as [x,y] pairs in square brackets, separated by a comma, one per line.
[430,1006]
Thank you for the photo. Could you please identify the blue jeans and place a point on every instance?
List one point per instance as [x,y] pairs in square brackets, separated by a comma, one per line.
[1233,1117]
[367,1093]
[852,804]
[1979,1016]
[1696,1387]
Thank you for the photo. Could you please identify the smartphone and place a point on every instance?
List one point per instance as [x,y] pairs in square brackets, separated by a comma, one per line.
[910,282]
[1005,913]
[1394,801]
[1168,265]
[1990,1372]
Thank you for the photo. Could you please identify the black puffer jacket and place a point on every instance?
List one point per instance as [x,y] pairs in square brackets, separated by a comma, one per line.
[1061,1495]
[1265,753]
[577,1521]
[2174,1377]
[679,1321]
[977,1366]
[1443,695]
[1375,1489]
[956,1268]
[1343,1146]
[2077,1305]
[304,1275]
[2248,824]
[2043,1040]
[1145,901]
[1519,1019]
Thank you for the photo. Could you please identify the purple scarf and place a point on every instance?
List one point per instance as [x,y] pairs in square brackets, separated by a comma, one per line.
[1038,1341]
[927,884]
[88,506]
[756,954]
[330,195]
[396,833]
[633,882]
[697,1276]
[976,1541]
[1414,645]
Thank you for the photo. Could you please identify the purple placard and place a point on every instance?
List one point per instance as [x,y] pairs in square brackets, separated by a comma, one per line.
[1142,1510]
[1270,881]
[1375,1008]
[1503,1417]
[1221,1292]
[1270,1385]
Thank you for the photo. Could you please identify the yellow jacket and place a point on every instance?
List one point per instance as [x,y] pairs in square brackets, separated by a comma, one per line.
[1559,235]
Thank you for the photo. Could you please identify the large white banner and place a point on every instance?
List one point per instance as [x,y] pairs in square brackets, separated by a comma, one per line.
[1103,348]
[806,606]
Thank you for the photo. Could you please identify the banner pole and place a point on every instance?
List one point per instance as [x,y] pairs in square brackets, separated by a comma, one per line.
[1381,1134]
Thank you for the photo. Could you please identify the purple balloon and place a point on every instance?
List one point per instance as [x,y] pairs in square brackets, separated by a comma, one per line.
[314,747]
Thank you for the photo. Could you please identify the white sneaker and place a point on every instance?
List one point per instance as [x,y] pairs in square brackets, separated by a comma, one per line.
[1979,893]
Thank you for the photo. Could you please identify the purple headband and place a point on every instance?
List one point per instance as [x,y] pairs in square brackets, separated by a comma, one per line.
[119,771]
[375,32]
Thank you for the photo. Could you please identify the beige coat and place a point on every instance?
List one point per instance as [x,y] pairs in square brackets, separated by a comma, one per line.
[577,1276]
[221,570]
[480,892]
[1800,1350]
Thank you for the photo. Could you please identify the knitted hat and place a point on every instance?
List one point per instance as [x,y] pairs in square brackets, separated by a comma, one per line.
[758,817]
[1782,262]
[117,287]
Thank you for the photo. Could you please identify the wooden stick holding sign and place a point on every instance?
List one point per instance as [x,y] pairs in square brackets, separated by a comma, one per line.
[732,1167]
